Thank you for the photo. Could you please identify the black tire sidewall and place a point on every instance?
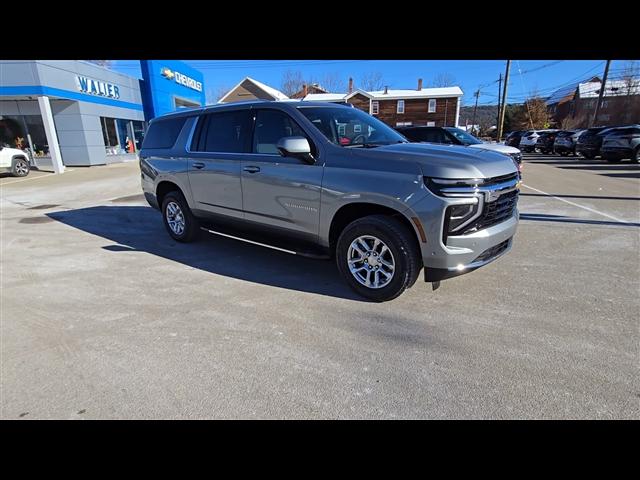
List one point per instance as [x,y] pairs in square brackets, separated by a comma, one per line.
[403,277]
[191,225]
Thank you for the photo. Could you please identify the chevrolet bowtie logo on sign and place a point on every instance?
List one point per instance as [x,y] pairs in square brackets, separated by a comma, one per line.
[181,79]
[168,74]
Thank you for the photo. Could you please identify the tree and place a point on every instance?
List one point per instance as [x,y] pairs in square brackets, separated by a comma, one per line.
[292,82]
[371,81]
[443,80]
[214,95]
[333,82]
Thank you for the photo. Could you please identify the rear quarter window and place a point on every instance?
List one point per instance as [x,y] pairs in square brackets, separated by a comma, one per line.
[163,133]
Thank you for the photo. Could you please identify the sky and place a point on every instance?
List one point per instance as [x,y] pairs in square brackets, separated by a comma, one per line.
[526,76]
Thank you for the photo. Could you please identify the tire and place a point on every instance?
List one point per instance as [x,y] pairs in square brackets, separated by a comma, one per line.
[564,153]
[636,156]
[20,167]
[175,214]
[403,252]
[613,159]
[588,156]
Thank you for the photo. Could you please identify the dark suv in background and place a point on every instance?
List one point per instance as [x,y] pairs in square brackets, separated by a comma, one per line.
[621,143]
[545,141]
[590,141]
[513,138]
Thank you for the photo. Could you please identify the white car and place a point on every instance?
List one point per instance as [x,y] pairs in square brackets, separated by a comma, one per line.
[529,139]
[14,161]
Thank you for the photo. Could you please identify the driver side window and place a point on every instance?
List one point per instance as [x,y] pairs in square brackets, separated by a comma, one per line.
[270,127]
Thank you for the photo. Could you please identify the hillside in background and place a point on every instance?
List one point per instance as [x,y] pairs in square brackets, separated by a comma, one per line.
[486,115]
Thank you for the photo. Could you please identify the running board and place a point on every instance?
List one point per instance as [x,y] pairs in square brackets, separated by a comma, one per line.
[273,247]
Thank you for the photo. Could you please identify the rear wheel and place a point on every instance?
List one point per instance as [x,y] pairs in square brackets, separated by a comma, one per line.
[588,156]
[378,257]
[178,219]
[20,168]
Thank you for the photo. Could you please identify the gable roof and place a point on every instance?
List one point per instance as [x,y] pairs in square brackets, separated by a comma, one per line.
[275,94]
[325,97]
[613,88]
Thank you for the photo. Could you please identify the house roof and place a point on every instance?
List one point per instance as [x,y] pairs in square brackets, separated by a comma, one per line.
[567,93]
[612,89]
[276,94]
[325,97]
[409,94]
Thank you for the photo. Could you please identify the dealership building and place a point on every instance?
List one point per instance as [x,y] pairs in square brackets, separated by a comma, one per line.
[73,112]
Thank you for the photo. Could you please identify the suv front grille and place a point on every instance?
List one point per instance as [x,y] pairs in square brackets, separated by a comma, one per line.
[494,251]
[495,212]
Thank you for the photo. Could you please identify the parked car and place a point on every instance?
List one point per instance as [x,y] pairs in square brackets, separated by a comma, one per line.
[590,141]
[14,161]
[457,136]
[513,138]
[528,140]
[278,174]
[622,143]
[545,140]
[565,142]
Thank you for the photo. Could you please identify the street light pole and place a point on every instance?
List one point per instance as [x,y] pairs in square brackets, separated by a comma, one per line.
[604,85]
[504,100]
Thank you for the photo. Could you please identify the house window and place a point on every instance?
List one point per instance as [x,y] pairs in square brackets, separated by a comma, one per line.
[342,129]
[432,105]
[357,128]
[431,124]
[374,107]
[400,108]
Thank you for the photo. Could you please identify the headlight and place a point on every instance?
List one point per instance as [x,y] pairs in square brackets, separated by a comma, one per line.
[436,185]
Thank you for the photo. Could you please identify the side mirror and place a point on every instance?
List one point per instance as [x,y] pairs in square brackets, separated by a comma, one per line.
[297,147]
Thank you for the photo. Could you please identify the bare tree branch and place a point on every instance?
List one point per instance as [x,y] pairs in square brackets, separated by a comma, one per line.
[292,82]
[443,80]
[371,81]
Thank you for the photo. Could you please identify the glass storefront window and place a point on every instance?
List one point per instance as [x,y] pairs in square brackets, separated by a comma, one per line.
[25,132]
[117,134]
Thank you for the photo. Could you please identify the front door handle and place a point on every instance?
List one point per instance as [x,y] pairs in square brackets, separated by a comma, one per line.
[251,169]
[198,165]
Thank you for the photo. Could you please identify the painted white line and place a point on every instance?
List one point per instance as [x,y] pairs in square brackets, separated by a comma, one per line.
[578,205]
[249,241]
[32,178]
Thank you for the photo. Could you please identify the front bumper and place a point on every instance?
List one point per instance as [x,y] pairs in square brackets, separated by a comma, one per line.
[617,152]
[453,255]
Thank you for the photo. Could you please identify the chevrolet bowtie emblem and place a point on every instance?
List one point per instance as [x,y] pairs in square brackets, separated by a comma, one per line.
[168,74]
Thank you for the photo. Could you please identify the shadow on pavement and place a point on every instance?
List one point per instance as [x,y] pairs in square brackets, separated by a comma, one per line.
[138,228]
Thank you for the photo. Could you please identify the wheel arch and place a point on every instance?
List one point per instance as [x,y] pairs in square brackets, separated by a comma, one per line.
[353,211]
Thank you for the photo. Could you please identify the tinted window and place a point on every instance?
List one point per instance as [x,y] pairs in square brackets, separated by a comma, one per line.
[432,135]
[270,127]
[163,133]
[226,132]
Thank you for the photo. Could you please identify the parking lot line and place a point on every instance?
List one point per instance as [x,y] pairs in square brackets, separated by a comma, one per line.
[32,178]
[578,205]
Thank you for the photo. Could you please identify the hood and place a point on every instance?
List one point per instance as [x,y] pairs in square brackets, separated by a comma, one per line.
[495,147]
[446,161]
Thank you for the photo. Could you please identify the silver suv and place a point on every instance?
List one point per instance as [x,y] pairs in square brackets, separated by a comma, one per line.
[325,180]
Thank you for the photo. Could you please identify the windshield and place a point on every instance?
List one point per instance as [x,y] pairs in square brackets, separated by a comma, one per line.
[350,127]
[464,137]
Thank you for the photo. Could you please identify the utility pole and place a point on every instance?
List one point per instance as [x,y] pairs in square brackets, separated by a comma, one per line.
[602,88]
[473,122]
[504,101]
[499,104]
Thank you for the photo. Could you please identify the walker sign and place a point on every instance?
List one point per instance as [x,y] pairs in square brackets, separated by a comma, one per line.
[181,79]
[95,87]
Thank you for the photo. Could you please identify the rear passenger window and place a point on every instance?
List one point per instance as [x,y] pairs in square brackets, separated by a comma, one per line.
[163,133]
[271,126]
[225,132]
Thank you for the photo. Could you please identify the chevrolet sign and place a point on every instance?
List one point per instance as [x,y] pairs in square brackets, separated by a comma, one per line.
[181,79]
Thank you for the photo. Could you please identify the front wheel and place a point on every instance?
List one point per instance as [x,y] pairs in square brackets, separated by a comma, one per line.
[178,219]
[378,257]
[20,168]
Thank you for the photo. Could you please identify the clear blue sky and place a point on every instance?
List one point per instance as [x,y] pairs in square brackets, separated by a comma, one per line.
[543,76]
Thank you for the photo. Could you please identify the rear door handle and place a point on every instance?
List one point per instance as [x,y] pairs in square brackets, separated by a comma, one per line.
[198,165]
[251,169]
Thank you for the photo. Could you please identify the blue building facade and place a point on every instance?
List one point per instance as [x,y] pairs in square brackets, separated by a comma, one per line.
[168,85]
[73,112]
